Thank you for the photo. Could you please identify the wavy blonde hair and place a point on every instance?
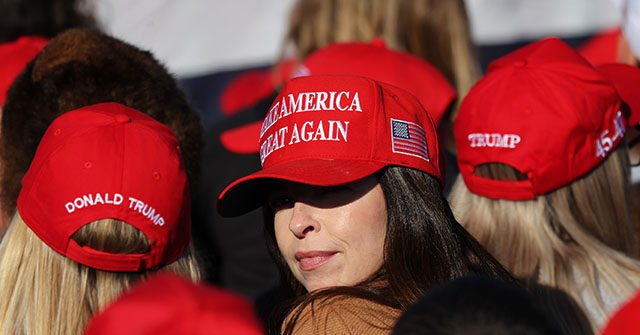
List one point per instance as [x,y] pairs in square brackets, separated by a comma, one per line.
[435,30]
[43,292]
[579,232]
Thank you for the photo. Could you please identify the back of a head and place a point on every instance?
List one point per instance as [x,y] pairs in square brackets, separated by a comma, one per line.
[80,68]
[48,293]
[587,212]
[544,174]
[104,204]
[574,181]
[475,306]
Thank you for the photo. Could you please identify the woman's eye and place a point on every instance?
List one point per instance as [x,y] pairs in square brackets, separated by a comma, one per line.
[279,201]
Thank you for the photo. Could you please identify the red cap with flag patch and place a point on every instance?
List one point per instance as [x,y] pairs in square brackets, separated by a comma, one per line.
[108,161]
[333,130]
[543,110]
[14,56]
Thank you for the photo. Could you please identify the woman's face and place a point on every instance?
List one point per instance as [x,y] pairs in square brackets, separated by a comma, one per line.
[330,236]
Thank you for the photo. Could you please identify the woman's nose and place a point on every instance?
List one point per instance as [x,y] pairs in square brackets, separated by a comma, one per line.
[302,220]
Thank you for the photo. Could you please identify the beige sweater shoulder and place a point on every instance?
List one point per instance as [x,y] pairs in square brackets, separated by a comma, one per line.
[345,315]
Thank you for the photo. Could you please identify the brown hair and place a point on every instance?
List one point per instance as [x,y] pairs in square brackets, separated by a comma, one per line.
[424,247]
[435,30]
[578,232]
[80,68]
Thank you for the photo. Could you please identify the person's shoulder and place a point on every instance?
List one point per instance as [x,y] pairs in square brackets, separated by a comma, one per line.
[345,315]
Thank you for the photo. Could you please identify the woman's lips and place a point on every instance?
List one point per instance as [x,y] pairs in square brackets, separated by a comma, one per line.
[312,260]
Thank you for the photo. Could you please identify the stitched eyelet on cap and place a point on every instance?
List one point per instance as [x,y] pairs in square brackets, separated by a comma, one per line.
[122,118]
[156,175]
[57,132]
[520,63]
[88,164]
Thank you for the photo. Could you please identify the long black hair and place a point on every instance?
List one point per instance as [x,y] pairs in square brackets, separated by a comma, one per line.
[424,247]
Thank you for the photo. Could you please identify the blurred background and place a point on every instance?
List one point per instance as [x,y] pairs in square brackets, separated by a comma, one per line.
[206,43]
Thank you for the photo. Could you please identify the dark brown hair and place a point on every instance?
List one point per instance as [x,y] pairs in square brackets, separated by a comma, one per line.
[424,247]
[80,68]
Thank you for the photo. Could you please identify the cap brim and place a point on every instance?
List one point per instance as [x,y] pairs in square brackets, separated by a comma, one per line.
[250,192]
[243,139]
[626,79]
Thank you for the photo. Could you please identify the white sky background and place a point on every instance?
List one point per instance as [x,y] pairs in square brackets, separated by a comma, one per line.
[495,21]
[199,36]
[204,36]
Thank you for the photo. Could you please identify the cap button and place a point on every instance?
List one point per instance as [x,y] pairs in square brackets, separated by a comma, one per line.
[520,63]
[122,118]
[378,42]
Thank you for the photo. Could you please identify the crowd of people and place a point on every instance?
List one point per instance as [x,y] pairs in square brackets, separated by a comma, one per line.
[377,183]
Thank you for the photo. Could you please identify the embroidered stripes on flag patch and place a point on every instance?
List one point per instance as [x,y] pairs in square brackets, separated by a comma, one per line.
[409,139]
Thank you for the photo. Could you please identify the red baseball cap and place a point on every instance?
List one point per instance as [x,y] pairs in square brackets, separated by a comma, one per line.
[14,56]
[242,140]
[251,86]
[108,161]
[374,60]
[602,47]
[545,111]
[167,304]
[625,320]
[626,79]
[333,130]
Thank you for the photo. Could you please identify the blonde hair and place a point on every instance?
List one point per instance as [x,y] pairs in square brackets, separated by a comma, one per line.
[43,292]
[579,232]
[435,30]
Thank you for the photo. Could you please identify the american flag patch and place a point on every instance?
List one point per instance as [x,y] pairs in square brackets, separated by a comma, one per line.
[408,138]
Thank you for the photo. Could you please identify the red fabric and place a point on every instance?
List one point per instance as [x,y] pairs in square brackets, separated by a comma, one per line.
[243,139]
[331,130]
[626,79]
[14,56]
[374,60]
[108,161]
[244,91]
[542,109]
[167,304]
[249,87]
[602,48]
[625,320]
